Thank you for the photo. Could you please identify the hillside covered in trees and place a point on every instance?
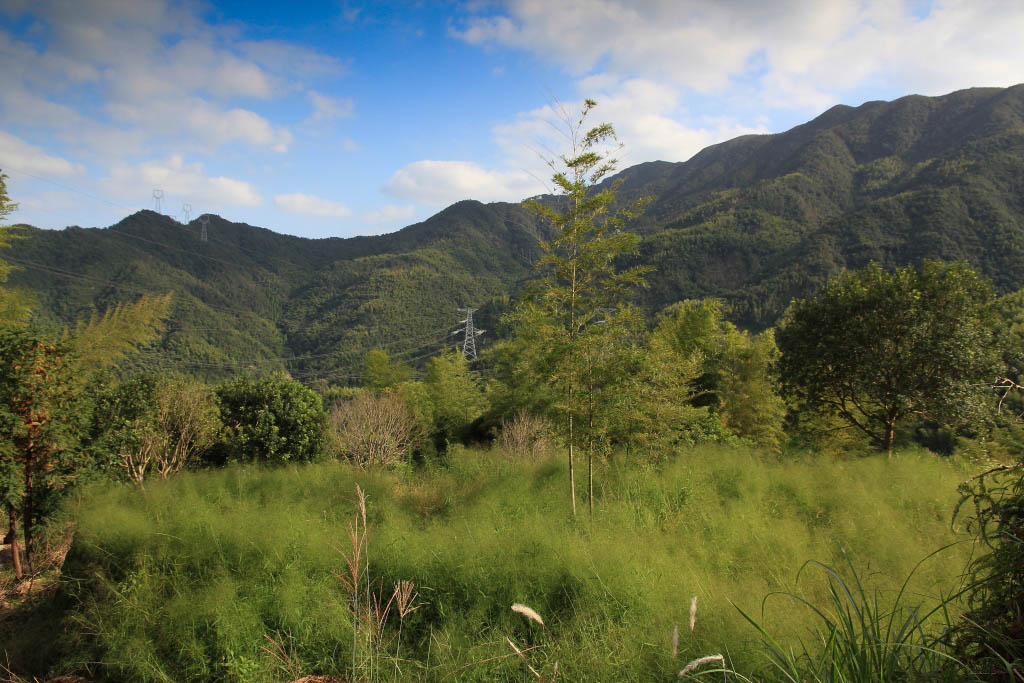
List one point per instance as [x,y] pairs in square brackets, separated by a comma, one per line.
[756,221]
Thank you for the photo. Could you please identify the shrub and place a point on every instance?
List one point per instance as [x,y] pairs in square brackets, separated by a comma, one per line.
[990,637]
[271,419]
[526,435]
[374,429]
[151,423]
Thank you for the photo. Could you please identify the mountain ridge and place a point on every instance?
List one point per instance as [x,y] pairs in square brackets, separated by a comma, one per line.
[756,220]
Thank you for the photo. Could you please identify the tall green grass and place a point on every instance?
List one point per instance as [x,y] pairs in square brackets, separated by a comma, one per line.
[184,580]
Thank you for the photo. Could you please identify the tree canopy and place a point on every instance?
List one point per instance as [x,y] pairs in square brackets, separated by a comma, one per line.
[876,347]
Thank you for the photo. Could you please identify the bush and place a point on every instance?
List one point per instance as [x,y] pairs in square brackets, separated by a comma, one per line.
[990,637]
[271,419]
[526,436]
[155,424]
[374,429]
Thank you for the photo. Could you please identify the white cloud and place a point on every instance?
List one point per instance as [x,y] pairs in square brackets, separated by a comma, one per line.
[157,69]
[298,61]
[440,183]
[179,180]
[647,116]
[390,215]
[27,158]
[310,205]
[814,50]
[326,108]
[202,122]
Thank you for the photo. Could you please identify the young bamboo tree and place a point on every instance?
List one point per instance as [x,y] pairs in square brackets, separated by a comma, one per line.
[577,300]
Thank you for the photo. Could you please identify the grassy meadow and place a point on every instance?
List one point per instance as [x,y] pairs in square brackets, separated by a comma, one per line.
[239,574]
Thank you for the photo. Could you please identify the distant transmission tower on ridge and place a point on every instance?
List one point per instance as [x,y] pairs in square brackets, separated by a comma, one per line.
[157,196]
[470,334]
[204,220]
[187,210]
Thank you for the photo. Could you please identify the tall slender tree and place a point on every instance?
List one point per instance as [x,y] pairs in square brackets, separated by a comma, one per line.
[578,298]
[41,420]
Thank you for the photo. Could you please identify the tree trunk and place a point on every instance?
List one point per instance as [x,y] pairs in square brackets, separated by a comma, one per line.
[29,512]
[572,474]
[590,479]
[890,437]
[590,436]
[15,551]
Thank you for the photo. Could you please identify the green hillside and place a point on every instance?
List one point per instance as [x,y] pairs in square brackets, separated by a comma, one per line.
[760,220]
[251,298]
[757,220]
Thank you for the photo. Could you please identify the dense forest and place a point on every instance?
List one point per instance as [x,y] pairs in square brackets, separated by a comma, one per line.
[708,376]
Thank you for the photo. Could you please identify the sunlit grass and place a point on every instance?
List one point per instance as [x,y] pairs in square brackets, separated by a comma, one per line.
[182,581]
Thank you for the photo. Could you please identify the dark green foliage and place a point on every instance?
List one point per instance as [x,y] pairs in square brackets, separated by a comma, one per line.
[42,417]
[990,636]
[250,298]
[760,220]
[271,419]
[877,347]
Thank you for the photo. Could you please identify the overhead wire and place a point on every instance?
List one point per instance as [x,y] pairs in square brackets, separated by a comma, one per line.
[433,339]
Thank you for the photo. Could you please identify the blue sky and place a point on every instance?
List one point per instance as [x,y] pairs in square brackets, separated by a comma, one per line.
[344,118]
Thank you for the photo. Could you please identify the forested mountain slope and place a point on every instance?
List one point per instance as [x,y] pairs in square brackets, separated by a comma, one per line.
[757,220]
[762,219]
[251,298]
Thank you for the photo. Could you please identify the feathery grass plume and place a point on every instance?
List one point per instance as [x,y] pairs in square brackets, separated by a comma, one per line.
[528,613]
[675,641]
[405,598]
[693,612]
[361,495]
[697,663]
[405,602]
[284,655]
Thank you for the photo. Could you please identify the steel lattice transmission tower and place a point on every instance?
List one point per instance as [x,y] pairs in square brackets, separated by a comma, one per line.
[187,210]
[204,220]
[158,195]
[470,334]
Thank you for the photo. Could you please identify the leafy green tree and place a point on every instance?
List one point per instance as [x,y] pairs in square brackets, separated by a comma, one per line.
[751,406]
[576,302]
[271,419]
[42,417]
[456,394]
[732,372]
[659,414]
[379,372]
[876,347]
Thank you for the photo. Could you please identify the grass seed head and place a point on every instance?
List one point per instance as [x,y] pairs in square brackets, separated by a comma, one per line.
[527,612]
[697,663]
